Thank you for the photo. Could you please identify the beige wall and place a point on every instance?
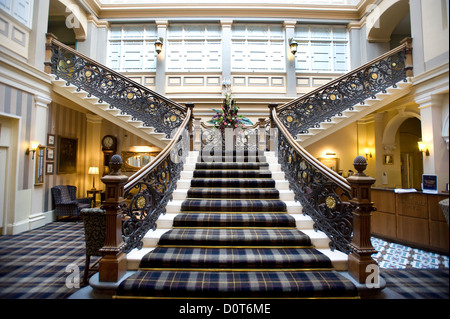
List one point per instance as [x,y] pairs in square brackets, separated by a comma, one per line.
[435,30]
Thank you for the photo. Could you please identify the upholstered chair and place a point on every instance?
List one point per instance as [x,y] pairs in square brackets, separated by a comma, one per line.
[94,220]
[66,203]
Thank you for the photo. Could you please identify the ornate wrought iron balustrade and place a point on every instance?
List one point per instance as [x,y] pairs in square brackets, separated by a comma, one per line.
[344,93]
[129,97]
[324,195]
[247,139]
[148,191]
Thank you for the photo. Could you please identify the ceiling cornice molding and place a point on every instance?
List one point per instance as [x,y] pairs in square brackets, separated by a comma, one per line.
[234,10]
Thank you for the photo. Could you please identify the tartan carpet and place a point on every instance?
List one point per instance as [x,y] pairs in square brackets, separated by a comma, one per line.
[234,237]
[33,264]
[54,246]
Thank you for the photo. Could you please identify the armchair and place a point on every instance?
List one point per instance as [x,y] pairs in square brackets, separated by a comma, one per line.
[66,203]
[94,220]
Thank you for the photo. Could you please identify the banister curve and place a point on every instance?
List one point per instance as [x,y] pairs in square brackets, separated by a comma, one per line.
[160,157]
[124,78]
[338,179]
[340,78]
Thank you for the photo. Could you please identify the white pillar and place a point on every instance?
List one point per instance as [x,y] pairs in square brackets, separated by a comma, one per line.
[291,76]
[160,78]
[431,119]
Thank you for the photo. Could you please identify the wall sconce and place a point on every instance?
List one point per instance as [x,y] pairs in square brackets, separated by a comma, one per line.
[93,171]
[368,153]
[423,148]
[32,149]
[293,46]
[159,45]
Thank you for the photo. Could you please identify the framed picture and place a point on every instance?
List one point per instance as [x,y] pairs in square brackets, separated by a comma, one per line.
[51,140]
[430,183]
[49,168]
[388,159]
[50,154]
[330,162]
[67,155]
[40,159]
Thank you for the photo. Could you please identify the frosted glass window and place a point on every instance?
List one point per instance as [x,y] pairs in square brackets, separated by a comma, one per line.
[193,47]
[258,47]
[321,48]
[19,9]
[132,48]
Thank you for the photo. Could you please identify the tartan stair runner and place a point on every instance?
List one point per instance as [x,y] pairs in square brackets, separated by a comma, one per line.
[233,238]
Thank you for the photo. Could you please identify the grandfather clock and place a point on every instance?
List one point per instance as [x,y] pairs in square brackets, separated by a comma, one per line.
[109,148]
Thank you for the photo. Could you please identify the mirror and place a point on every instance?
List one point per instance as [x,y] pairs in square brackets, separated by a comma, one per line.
[133,161]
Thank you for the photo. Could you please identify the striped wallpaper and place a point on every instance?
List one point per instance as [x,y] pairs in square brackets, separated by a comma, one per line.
[66,122]
[61,121]
[18,103]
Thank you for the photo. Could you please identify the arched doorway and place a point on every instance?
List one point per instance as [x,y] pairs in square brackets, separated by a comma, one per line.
[411,159]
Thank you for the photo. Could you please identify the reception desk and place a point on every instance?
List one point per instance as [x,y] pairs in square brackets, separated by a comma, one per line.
[413,219]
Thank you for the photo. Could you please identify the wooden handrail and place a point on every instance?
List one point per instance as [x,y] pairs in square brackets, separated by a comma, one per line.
[119,75]
[161,156]
[405,46]
[336,178]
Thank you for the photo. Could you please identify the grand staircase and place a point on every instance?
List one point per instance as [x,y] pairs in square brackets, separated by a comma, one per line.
[233,228]
[232,236]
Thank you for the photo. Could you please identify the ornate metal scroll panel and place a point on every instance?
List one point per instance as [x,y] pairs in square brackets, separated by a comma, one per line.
[322,199]
[120,92]
[344,93]
[146,200]
[243,139]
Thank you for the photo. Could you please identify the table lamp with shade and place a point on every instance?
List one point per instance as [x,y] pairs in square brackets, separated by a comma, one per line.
[93,170]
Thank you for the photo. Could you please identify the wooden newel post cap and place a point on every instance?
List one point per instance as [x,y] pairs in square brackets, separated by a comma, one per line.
[360,164]
[115,164]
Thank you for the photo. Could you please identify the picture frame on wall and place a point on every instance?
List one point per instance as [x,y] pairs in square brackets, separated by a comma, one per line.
[49,168]
[330,162]
[50,154]
[388,159]
[51,140]
[67,155]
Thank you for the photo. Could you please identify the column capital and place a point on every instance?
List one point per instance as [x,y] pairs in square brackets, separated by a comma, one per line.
[42,101]
[162,23]
[289,23]
[226,23]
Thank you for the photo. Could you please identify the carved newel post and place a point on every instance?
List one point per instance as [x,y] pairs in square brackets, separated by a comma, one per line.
[361,245]
[113,265]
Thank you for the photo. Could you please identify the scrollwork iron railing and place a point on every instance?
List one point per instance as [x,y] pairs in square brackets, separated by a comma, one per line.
[247,139]
[149,190]
[324,195]
[120,92]
[353,88]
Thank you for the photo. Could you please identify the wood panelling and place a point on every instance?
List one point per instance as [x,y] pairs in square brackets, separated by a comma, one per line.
[415,219]
[413,230]
[412,204]
[384,223]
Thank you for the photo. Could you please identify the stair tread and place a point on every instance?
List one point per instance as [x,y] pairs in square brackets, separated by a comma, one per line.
[236,258]
[244,284]
[243,193]
[234,237]
[236,220]
[234,205]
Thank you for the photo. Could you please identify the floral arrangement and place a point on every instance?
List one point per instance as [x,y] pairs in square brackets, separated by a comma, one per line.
[228,115]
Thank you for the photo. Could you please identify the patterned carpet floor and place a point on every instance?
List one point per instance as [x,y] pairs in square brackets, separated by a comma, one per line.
[41,264]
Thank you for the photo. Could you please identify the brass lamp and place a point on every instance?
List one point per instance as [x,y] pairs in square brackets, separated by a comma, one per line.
[93,170]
